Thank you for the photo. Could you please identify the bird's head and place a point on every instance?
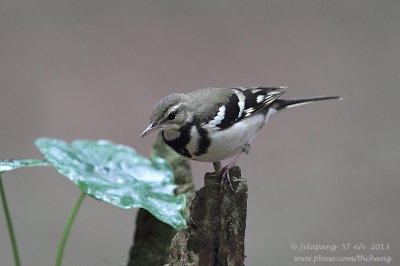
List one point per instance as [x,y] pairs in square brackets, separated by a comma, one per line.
[171,113]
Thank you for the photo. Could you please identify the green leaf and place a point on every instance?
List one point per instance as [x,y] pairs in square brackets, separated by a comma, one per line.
[117,174]
[9,165]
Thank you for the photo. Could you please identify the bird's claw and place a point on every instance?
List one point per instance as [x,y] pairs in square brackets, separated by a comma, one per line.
[224,174]
[227,177]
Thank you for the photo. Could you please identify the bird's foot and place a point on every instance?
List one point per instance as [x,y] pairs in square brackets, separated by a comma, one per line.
[223,174]
[226,177]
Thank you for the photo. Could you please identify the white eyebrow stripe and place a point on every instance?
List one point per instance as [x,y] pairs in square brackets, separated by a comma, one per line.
[174,108]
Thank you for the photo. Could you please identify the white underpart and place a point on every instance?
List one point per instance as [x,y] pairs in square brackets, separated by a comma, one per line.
[193,144]
[232,140]
[171,134]
[271,111]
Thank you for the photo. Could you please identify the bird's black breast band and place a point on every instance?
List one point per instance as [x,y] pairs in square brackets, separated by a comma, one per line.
[204,140]
[179,144]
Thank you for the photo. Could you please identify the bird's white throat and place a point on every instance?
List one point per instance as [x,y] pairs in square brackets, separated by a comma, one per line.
[171,134]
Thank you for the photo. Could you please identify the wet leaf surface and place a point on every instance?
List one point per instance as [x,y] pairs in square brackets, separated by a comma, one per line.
[117,174]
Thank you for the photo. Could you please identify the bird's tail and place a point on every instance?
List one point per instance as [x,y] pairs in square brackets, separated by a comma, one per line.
[283,104]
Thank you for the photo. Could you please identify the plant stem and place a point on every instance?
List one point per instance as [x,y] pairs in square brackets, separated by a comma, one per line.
[9,225]
[68,228]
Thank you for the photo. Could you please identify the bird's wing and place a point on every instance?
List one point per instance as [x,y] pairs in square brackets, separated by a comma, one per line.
[207,102]
[222,107]
[258,99]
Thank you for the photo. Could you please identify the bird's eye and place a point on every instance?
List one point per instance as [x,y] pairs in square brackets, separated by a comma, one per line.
[171,115]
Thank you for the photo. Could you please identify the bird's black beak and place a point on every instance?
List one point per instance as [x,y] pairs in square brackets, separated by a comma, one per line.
[151,128]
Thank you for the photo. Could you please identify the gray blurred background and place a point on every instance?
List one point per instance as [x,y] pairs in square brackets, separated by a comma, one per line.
[326,173]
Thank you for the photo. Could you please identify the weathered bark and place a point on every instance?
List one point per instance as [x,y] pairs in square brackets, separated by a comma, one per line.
[152,237]
[215,235]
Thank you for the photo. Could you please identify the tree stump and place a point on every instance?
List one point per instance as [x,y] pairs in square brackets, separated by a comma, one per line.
[217,223]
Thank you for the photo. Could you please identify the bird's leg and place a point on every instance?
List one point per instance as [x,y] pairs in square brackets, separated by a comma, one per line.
[227,168]
[217,166]
[245,150]
[217,169]
[218,172]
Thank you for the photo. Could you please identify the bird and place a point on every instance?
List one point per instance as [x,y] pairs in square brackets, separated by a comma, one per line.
[214,124]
